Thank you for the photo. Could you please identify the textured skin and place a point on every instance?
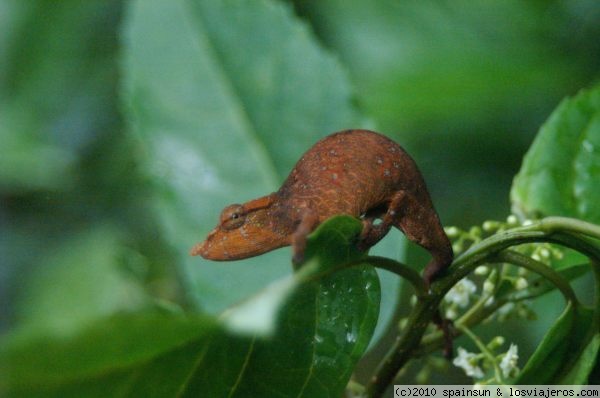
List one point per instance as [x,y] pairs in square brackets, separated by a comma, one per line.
[356,172]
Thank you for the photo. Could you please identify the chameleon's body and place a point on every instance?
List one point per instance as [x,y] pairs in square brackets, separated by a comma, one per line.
[355,172]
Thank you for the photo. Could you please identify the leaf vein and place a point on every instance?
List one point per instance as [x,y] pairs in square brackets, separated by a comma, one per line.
[269,171]
[243,369]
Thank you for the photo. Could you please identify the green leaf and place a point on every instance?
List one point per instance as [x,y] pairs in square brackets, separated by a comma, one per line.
[567,352]
[226,96]
[322,330]
[560,174]
[582,368]
[108,345]
[78,282]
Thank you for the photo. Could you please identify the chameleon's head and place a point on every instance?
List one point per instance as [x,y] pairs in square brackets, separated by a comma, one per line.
[243,231]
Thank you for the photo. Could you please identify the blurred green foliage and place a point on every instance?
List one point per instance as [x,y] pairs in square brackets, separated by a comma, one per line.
[93,222]
[462,84]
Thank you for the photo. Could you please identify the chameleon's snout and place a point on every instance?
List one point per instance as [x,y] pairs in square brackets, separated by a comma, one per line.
[221,245]
[198,249]
[204,248]
[249,240]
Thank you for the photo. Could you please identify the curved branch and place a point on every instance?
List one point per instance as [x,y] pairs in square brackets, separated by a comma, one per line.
[559,230]
[521,260]
[399,269]
[378,262]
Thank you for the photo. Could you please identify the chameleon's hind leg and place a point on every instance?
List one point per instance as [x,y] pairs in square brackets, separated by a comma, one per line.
[421,225]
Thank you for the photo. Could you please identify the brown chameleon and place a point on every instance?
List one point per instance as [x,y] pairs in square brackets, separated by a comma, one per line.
[356,172]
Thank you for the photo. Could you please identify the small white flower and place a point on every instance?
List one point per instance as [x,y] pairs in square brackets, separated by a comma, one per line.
[490,301]
[467,361]
[512,220]
[509,360]
[521,283]
[536,257]
[459,294]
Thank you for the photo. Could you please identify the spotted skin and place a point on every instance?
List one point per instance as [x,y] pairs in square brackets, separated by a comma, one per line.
[355,172]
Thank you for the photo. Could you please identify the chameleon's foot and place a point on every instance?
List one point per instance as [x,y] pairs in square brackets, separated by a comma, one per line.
[308,222]
[297,259]
[362,245]
[298,249]
[435,269]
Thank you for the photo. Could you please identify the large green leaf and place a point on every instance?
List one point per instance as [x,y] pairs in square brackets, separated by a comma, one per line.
[76,283]
[568,351]
[106,356]
[225,96]
[581,370]
[560,174]
[322,330]
[111,344]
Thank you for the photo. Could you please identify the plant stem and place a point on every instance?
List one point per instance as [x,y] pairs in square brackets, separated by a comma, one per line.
[510,256]
[378,262]
[483,299]
[561,230]
[486,352]
[553,224]
[399,269]
[404,346]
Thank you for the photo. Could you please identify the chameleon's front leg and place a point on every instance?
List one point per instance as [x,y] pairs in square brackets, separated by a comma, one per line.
[372,233]
[308,221]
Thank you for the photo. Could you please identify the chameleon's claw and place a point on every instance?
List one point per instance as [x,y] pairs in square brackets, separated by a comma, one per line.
[297,259]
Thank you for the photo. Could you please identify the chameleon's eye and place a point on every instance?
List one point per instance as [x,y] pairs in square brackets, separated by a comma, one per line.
[233,217]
